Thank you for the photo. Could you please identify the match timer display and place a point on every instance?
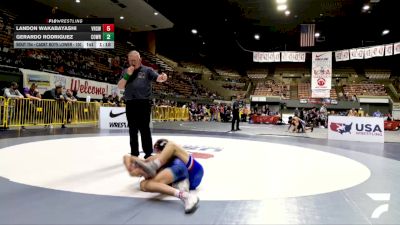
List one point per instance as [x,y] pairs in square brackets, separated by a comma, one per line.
[66,33]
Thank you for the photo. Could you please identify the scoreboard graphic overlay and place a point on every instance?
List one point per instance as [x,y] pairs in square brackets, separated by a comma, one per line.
[66,33]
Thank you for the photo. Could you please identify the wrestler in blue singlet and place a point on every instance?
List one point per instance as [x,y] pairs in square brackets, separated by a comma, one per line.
[194,168]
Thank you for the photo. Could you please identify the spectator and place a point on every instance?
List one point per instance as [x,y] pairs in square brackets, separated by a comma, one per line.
[105,99]
[32,93]
[377,114]
[56,94]
[12,91]
[70,97]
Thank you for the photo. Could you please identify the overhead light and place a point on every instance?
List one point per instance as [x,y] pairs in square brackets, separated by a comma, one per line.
[385,32]
[280,1]
[77,1]
[204,43]
[287,12]
[282,7]
[155,13]
[257,36]
[194,31]
[321,14]
[317,34]
[366,7]
[121,17]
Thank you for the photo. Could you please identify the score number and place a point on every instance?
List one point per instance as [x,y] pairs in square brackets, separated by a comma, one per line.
[108,32]
[108,27]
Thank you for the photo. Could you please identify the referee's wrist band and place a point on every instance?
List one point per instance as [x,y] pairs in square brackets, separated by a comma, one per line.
[126,76]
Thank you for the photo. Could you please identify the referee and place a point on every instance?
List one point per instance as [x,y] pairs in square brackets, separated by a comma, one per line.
[235,114]
[137,82]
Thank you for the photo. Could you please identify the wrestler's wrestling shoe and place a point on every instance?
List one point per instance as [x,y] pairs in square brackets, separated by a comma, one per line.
[182,185]
[148,167]
[191,203]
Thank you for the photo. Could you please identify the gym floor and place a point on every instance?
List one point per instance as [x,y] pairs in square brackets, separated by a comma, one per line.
[260,175]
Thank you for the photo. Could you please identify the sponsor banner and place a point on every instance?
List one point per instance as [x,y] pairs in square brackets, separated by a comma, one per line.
[84,88]
[113,118]
[321,70]
[396,48]
[388,50]
[348,128]
[320,93]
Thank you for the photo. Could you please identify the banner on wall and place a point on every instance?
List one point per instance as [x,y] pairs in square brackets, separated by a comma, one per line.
[60,80]
[357,53]
[368,53]
[396,48]
[41,79]
[266,57]
[321,70]
[90,88]
[380,51]
[343,55]
[388,50]
[84,88]
[293,56]
[349,128]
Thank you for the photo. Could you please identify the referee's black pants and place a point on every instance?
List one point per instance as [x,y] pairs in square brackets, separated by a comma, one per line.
[235,118]
[138,114]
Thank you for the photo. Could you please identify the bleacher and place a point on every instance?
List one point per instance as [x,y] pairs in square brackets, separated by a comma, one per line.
[177,85]
[333,93]
[304,90]
[344,72]
[377,74]
[6,27]
[194,67]
[257,73]
[271,88]
[155,62]
[366,89]
[227,72]
[291,70]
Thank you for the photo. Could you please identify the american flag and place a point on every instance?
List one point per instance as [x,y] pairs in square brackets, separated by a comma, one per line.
[307,35]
